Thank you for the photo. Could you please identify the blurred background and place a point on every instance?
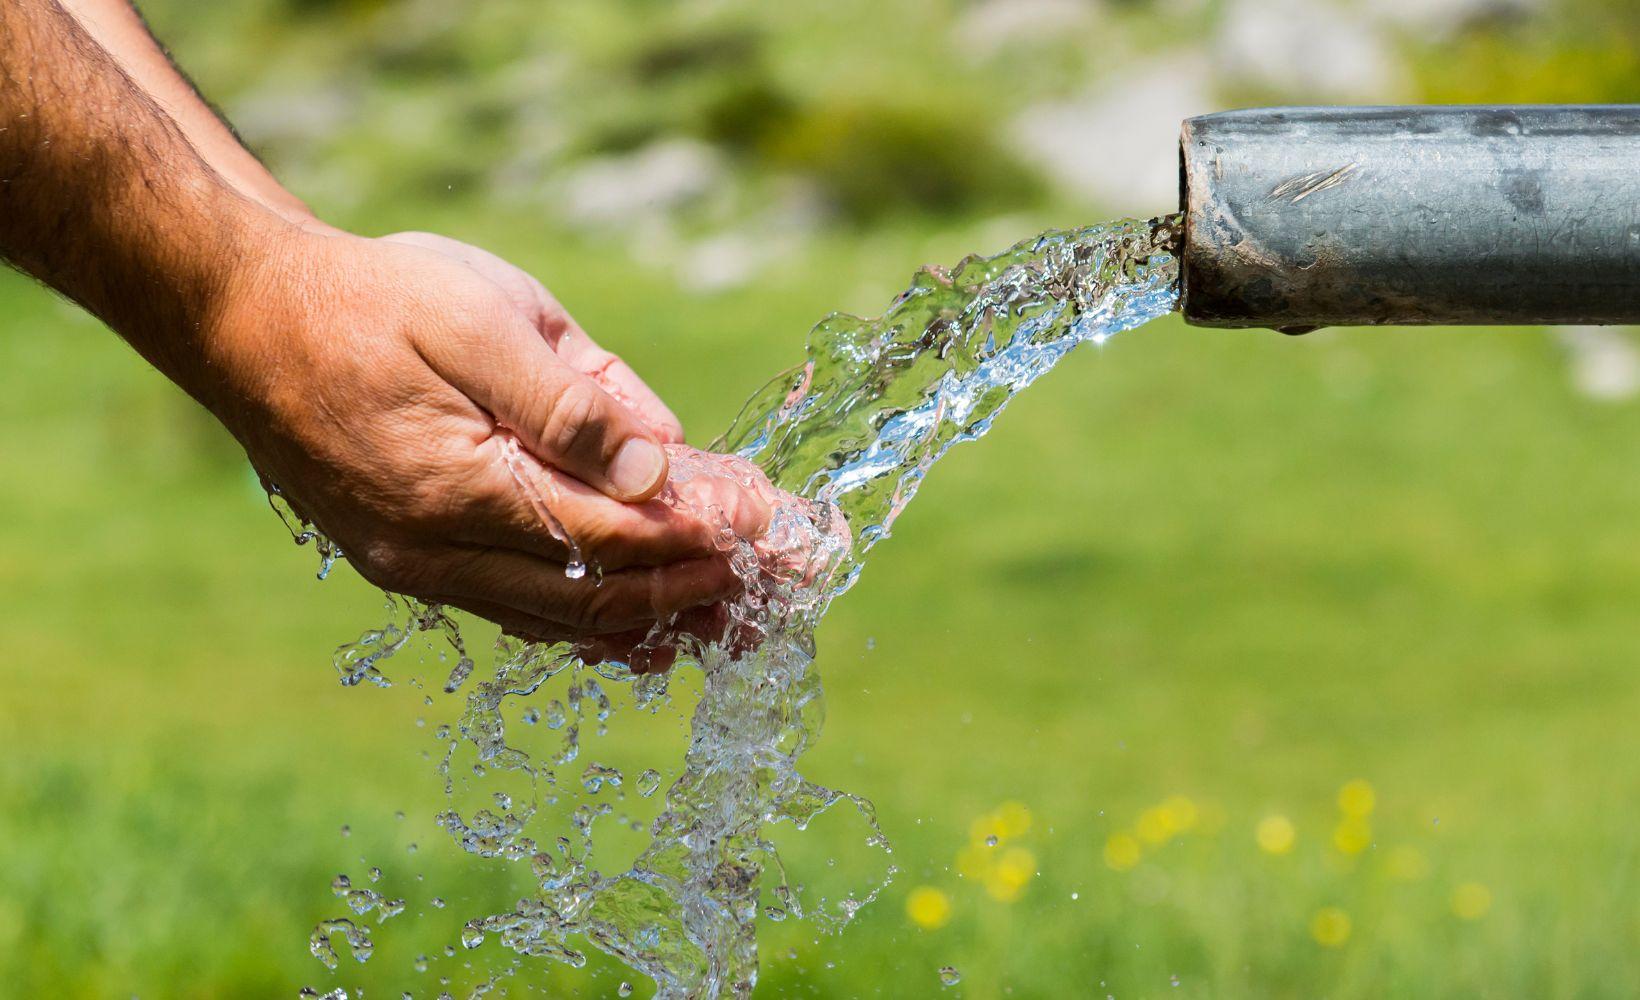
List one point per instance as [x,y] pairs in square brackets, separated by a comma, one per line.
[1277,667]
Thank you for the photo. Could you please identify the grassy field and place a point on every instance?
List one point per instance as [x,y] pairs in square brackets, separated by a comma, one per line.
[1193,584]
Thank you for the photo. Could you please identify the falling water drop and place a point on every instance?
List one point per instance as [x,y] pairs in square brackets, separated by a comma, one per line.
[933,371]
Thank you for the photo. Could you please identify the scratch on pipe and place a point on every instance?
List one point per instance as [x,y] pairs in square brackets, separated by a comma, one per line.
[1304,185]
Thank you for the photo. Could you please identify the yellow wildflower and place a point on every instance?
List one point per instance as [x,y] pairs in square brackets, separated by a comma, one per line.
[1406,864]
[1330,927]
[1013,871]
[1275,834]
[1013,820]
[1353,835]
[1181,812]
[928,908]
[1357,799]
[1154,826]
[990,825]
[1121,851]
[1471,901]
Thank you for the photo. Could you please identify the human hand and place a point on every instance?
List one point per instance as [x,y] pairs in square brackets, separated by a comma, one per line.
[378,382]
[786,569]
[567,339]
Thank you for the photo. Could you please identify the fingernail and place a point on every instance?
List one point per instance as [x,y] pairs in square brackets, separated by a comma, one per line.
[638,466]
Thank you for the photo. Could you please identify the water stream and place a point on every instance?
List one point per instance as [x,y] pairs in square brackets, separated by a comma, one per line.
[844,441]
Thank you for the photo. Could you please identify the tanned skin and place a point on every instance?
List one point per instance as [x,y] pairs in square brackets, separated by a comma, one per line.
[376,381]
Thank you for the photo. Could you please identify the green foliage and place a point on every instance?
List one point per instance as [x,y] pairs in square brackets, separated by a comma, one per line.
[1576,53]
[1233,567]
[874,160]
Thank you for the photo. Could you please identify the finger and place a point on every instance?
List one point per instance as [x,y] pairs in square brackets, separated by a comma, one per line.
[513,622]
[553,321]
[619,380]
[536,589]
[648,652]
[606,368]
[560,414]
[616,536]
[633,649]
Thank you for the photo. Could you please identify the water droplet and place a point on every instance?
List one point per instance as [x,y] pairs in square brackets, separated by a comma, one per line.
[625,990]
[991,841]
[1000,323]
[596,776]
[949,976]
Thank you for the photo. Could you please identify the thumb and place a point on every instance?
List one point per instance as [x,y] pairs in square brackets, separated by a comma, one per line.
[572,424]
[559,414]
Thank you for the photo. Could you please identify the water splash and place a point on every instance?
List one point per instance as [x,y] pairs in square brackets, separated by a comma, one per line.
[847,438]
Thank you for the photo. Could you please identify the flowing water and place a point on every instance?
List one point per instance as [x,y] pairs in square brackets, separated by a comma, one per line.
[849,435]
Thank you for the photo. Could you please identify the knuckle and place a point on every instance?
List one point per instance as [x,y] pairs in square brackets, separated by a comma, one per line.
[390,564]
[574,424]
[600,537]
[587,607]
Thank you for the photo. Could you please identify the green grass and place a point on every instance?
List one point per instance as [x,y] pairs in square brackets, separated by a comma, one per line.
[1232,566]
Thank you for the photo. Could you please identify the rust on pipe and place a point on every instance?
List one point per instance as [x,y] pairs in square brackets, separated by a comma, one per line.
[1303,217]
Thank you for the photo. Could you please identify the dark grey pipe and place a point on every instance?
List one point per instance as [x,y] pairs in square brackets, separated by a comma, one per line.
[1304,217]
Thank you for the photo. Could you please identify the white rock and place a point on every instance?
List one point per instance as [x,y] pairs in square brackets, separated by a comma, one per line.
[1118,146]
[721,262]
[1315,52]
[617,191]
[1603,364]
[991,25]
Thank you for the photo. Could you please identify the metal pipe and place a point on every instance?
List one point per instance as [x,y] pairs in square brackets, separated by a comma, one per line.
[1303,217]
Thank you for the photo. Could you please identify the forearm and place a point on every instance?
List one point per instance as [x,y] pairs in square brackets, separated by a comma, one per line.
[119,29]
[103,198]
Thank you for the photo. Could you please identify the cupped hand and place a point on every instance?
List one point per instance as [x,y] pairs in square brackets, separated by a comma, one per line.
[567,339]
[378,383]
[787,567]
